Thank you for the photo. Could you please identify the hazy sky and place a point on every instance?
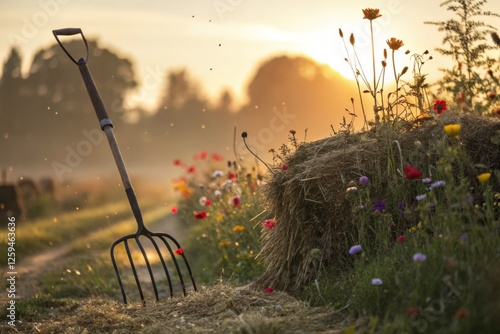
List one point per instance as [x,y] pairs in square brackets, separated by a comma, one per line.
[162,34]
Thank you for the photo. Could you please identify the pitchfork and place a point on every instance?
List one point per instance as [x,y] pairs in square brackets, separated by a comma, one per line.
[154,238]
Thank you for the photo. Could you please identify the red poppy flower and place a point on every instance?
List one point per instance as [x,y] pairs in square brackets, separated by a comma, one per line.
[232,175]
[412,173]
[217,157]
[203,155]
[200,215]
[177,162]
[401,239]
[191,170]
[439,106]
[284,167]
[412,312]
[269,224]
[236,201]
[179,251]
[174,209]
[208,202]
[269,290]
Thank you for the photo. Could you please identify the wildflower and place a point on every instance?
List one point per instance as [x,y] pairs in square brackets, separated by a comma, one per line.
[203,155]
[379,206]
[461,313]
[411,173]
[173,210]
[238,228]
[191,170]
[203,200]
[439,106]
[427,180]
[351,189]
[484,177]
[179,251]
[219,217]
[355,249]
[224,244]
[269,290]
[284,167]
[412,312]
[463,238]
[400,239]
[363,180]
[371,13]
[361,207]
[232,175]
[420,197]
[269,224]
[376,281]
[419,257]
[236,201]
[217,193]
[437,184]
[217,157]
[452,130]
[217,174]
[200,215]
[177,162]
[394,44]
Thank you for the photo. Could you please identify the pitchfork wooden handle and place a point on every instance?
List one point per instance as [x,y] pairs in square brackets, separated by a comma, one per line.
[95,97]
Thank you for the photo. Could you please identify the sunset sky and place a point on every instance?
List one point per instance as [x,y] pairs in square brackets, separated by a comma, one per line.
[164,34]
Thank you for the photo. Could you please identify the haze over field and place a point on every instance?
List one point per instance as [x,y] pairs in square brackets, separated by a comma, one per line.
[178,77]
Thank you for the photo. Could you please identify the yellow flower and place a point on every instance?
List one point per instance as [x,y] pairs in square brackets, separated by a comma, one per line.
[224,244]
[219,217]
[371,13]
[238,228]
[452,130]
[484,178]
[394,44]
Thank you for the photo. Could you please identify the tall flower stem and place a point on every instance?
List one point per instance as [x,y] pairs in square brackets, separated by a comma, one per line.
[374,88]
[396,78]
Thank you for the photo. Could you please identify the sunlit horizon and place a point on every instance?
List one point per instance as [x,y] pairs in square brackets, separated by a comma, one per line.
[221,48]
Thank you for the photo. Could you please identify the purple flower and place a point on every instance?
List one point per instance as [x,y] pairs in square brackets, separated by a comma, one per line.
[379,206]
[376,281]
[401,204]
[463,238]
[361,207]
[355,249]
[419,257]
[437,184]
[363,180]
[426,180]
[420,197]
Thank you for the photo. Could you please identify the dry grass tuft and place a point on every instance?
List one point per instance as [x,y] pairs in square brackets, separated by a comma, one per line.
[310,202]
[217,309]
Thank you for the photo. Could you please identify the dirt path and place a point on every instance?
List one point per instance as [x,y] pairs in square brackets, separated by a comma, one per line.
[32,269]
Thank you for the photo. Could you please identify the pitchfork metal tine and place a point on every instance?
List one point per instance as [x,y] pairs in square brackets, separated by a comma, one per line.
[169,280]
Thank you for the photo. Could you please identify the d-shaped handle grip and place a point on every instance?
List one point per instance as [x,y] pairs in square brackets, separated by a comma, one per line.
[71,32]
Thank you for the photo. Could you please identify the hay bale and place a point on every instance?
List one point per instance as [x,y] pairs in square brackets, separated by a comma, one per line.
[10,203]
[313,210]
[29,190]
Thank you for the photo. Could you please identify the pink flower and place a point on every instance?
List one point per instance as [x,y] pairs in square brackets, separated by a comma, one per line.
[269,224]
[269,290]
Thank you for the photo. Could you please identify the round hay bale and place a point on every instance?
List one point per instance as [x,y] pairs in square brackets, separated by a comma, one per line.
[313,211]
